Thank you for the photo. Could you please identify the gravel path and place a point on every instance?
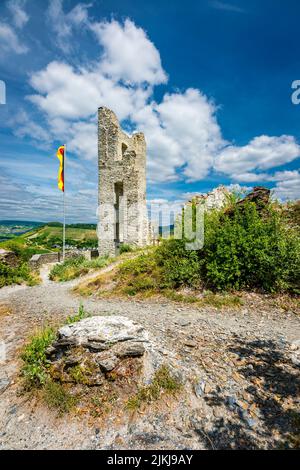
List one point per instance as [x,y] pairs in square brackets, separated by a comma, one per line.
[241,385]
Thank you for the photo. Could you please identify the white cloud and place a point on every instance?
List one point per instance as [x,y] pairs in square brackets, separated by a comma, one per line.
[65,93]
[284,175]
[182,133]
[262,153]
[287,183]
[219,5]
[83,140]
[17,10]
[76,94]
[63,24]
[9,40]
[128,53]
[289,186]
[43,203]
[25,127]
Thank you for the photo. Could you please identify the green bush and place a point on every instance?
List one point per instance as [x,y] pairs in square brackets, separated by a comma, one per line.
[179,266]
[35,369]
[23,252]
[143,264]
[16,275]
[244,248]
[249,250]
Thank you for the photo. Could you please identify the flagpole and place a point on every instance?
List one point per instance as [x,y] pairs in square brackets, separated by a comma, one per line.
[64,204]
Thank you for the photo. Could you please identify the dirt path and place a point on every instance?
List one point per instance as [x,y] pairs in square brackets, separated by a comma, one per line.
[241,385]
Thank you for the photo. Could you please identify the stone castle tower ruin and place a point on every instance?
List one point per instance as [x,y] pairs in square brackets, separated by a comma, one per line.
[122,211]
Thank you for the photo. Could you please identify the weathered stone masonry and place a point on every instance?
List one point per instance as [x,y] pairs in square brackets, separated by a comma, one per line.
[122,208]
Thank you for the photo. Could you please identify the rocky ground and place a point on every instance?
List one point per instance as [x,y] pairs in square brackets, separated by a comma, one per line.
[240,373]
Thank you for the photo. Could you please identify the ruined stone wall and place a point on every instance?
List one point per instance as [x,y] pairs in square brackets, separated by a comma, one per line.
[122,208]
[39,259]
[215,199]
[9,258]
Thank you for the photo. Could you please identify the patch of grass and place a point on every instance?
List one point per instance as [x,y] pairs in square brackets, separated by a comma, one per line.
[163,381]
[142,277]
[208,299]
[56,396]
[138,275]
[75,267]
[221,300]
[36,364]
[78,316]
[78,374]
[178,297]
[85,289]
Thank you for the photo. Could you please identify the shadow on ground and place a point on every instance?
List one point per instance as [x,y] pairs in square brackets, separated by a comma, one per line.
[273,390]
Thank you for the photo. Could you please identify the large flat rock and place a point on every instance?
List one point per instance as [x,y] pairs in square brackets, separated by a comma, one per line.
[103,331]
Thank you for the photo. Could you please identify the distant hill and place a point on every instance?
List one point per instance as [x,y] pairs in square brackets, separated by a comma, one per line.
[40,235]
[47,236]
[59,224]
[21,222]
[9,229]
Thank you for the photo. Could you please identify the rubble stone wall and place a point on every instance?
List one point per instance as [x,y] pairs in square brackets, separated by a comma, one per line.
[122,210]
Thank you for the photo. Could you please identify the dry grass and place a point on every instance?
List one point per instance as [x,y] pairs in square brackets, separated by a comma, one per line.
[98,286]
[287,303]
[57,396]
[209,299]
[4,310]
[110,285]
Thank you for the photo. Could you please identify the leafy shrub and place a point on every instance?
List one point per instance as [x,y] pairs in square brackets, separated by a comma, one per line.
[179,266]
[169,265]
[16,275]
[35,359]
[23,252]
[249,250]
[142,264]
[244,248]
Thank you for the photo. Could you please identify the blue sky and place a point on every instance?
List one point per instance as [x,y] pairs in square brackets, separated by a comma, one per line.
[208,82]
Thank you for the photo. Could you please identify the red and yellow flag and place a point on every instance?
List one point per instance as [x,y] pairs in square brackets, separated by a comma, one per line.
[60,177]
